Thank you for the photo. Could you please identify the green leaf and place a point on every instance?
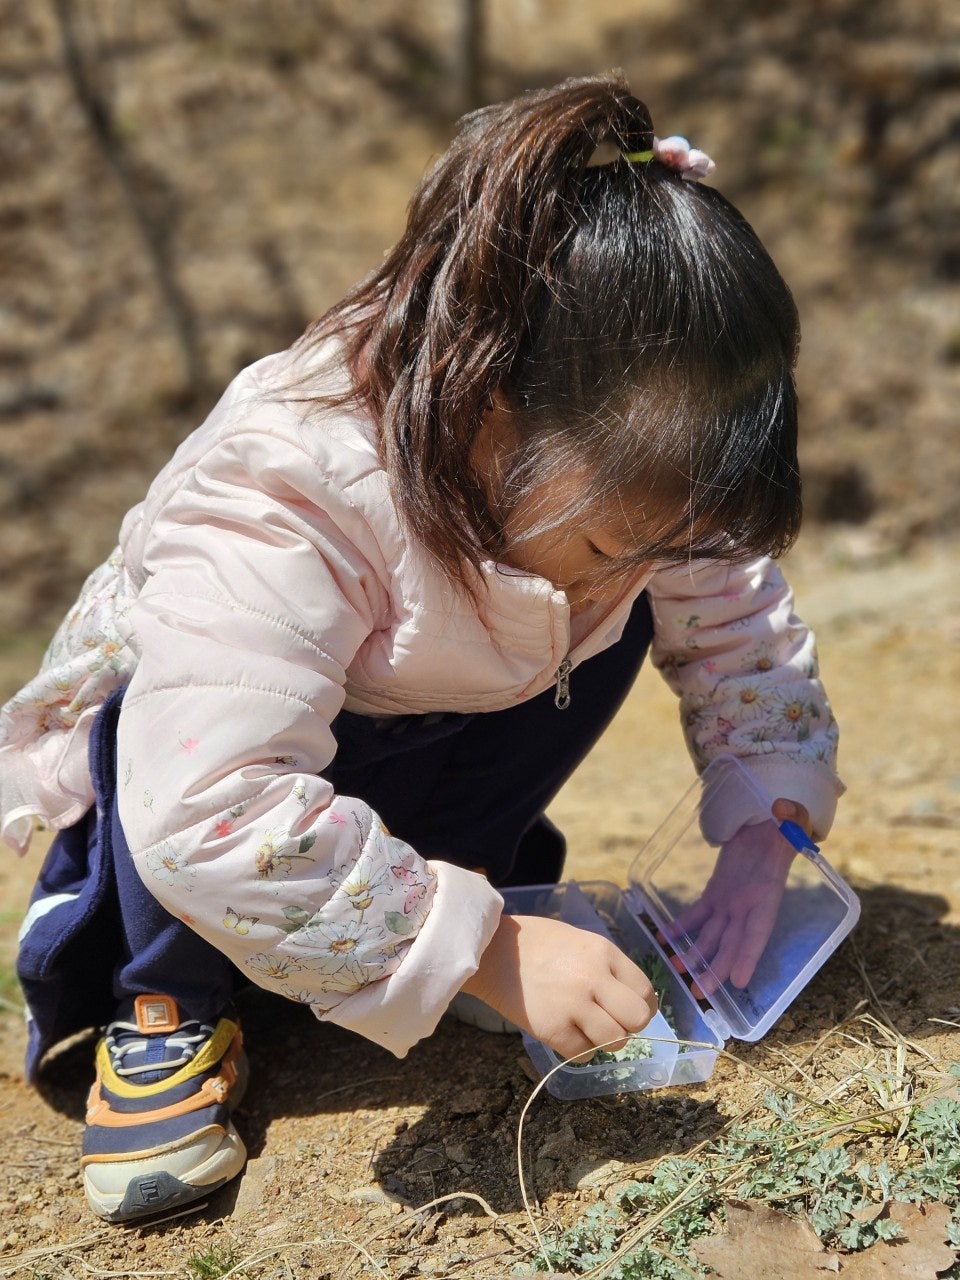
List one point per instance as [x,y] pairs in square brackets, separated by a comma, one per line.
[397,922]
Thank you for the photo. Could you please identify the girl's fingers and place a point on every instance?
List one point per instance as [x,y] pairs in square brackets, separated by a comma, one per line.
[611,1016]
[629,1009]
[618,1011]
[691,919]
[727,955]
[756,935]
[581,1043]
[785,810]
[709,937]
[602,1031]
[631,976]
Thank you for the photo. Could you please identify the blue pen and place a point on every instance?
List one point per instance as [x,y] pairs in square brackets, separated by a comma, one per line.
[795,835]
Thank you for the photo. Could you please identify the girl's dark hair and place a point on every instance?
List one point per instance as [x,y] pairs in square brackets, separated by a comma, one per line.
[631,320]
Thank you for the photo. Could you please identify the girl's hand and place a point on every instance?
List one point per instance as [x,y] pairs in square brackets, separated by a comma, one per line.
[790,811]
[570,988]
[732,921]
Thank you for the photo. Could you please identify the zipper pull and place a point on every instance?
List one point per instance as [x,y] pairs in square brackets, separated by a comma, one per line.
[561,699]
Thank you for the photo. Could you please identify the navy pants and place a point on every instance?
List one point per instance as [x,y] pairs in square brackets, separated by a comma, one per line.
[469,789]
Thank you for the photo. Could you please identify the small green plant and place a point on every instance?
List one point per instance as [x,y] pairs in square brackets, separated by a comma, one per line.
[799,1155]
[213,1263]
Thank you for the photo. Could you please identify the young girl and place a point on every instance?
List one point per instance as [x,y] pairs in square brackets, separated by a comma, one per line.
[308,717]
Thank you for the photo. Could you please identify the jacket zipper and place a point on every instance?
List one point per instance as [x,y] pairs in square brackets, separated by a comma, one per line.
[561,698]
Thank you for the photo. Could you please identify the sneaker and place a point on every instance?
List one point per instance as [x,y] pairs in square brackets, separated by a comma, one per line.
[159,1133]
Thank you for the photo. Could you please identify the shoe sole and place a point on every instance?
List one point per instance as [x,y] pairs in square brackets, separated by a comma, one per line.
[140,1188]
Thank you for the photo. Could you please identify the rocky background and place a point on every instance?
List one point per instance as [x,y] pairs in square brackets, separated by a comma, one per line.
[184,185]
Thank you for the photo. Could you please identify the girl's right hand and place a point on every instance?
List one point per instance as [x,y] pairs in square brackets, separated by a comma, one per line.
[572,989]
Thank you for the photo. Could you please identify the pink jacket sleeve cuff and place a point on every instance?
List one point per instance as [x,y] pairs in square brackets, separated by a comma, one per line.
[813,785]
[400,1010]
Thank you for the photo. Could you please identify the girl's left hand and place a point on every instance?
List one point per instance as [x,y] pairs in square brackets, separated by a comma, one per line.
[732,921]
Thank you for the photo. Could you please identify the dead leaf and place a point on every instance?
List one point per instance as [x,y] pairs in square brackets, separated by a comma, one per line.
[763,1244]
[869,1212]
[919,1253]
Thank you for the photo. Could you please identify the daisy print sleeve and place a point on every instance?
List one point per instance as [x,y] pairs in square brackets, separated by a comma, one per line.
[256,600]
[745,667]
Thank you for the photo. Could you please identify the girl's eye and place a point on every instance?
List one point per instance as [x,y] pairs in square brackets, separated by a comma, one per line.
[595,551]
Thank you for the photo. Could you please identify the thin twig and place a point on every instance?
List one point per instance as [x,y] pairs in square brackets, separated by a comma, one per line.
[354,1084]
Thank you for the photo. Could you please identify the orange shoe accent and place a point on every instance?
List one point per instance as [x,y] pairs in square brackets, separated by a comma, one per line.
[212,1130]
[156,1014]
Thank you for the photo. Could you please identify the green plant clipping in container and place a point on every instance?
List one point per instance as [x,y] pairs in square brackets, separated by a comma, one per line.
[716,847]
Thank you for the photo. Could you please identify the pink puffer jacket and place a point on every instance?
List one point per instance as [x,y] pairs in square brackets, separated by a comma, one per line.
[264,584]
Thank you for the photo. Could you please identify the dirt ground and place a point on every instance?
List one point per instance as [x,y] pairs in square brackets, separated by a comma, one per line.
[343,1138]
[274,147]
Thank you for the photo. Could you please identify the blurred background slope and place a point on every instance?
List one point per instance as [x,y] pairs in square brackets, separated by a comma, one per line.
[185,184]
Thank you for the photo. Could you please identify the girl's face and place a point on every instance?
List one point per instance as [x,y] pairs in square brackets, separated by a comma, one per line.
[575,555]
[578,560]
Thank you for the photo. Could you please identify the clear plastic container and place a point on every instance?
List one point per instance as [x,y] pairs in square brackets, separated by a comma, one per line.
[719,848]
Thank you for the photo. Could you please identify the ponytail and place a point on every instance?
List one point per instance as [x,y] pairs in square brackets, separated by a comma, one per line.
[567,288]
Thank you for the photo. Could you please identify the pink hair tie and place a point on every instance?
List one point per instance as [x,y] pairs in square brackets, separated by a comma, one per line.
[676,153]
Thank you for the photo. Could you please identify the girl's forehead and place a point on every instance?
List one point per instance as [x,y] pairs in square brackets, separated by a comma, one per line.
[575,501]
[636,520]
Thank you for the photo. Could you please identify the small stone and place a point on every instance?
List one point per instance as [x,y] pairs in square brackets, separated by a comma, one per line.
[273,1228]
[457,1152]
[559,1143]
[257,1178]
[373,1195]
[594,1175]
[469,1102]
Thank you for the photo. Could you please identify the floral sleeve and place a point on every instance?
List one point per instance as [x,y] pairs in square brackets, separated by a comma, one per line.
[255,607]
[745,667]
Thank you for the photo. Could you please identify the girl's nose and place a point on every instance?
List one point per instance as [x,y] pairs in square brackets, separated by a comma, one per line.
[581,595]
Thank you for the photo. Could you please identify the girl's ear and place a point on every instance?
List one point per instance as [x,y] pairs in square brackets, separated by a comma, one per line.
[498,434]
[493,445]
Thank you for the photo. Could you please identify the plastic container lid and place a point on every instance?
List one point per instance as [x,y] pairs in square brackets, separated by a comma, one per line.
[690,889]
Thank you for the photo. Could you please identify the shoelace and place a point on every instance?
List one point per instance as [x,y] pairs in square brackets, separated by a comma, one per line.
[124,1040]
